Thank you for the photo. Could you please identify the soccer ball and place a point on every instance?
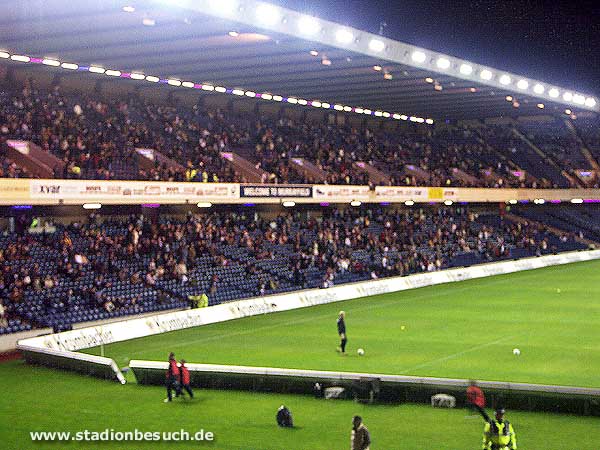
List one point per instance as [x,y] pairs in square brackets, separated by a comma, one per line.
[360,352]
[516,351]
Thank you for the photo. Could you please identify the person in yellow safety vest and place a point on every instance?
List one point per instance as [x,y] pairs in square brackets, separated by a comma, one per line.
[498,434]
[190,174]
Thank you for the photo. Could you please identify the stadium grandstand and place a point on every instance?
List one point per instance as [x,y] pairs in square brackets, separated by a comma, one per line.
[174,164]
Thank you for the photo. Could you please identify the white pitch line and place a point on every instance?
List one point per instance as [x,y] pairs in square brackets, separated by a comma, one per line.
[456,355]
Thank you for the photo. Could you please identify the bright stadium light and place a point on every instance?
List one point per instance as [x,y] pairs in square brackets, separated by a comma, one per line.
[344,36]
[137,76]
[250,94]
[223,6]
[210,87]
[316,104]
[522,84]
[378,113]
[568,112]
[113,73]
[590,102]
[69,66]
[355,203]
[567,96]
[292,100]
[359,110]
[152,79]
[512,202]
[539,88]
[577,200]
[92,205]
[51,62]
[128,9]
[95,69]
[204,205]
[554,93]
[325,105]
[579,99]
[174,82]
[409,203]
[302,102]
[308,25]
[505,79]
[4,55]
[187,84]
[266,97]
[418,56]
[238,92]
[443,63]
[486,74]
[376,45]
[220,89]
[20,58]
[368,112]
[277,98]
[267,14]
[540,105]
[289,204]
[448,202]
[429,121]
[466,69]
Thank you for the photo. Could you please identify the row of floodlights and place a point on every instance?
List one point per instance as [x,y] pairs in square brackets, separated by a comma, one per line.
[208,87]
[355,203]
[309,26]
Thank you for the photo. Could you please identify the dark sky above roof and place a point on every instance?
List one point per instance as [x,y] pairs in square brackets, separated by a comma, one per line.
[556,41]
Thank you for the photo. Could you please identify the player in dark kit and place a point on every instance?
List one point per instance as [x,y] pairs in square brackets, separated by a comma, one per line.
[341,326]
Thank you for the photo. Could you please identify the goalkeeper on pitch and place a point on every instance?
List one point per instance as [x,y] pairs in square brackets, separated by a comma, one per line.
[341,326]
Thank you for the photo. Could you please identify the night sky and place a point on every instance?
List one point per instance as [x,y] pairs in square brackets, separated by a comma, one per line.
[557,42]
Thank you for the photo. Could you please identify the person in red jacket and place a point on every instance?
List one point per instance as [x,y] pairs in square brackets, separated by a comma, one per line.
[185,379]
[173,375]
[475,397]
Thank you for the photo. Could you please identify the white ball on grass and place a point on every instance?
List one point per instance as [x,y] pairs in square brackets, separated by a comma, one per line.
[516,351]
[360,352]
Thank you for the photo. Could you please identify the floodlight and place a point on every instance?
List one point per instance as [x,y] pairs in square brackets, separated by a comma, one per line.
[234,92]
[69,66]
[20,58]
[553,93]
[152,79]
[4,55]
[567,96]
[418,56]
[355,203]
[266,97]
[95,69]
[92,205]
[268,14]
[204,204]
[538,88]
[577,200]
[174,82]
[289,204]
[51,62]
[325,105]
[466,69]
[579,99]
[590,102]
[443,63]
[128,9]
[409,203]
[486,74]
[505,79]
[113,73]
[220,89]
[522,84]
[344,36]
[223,6]
[250,94]
[137,76]
[308,25]
[448,202]
[376,45]
[187,84]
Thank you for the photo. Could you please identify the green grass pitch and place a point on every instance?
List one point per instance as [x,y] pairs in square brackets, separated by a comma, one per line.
[465,330]
[458,330]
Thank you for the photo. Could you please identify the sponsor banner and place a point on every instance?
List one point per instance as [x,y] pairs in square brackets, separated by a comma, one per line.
[401,194]
[163,323]
[337,193]
[122,191]
[14,191]
[275,191]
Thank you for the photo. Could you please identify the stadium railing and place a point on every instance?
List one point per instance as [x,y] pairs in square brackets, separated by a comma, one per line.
[391,388]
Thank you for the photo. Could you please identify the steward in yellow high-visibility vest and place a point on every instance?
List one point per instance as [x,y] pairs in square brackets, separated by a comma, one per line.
[498,434]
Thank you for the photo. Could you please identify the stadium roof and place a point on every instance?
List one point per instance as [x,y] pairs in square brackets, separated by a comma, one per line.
[252,47]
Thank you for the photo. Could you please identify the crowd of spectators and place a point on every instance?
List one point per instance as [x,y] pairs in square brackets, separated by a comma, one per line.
[97,137]
[94,261]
